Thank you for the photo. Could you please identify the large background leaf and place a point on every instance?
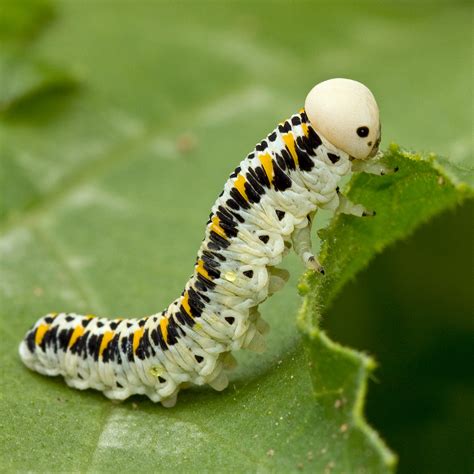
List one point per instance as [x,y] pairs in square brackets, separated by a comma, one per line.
[108,188]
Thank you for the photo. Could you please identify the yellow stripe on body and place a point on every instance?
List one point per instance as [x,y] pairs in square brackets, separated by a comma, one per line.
[40,332]
[43,329]
[164,328]
[289,140]
[137,335]
[201,270]
[108,336]
[239,183]
[185,304]
[267,164]
[305,128]
[77,333]
[216,227]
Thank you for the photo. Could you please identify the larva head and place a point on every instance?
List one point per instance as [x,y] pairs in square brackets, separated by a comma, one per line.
[345,113]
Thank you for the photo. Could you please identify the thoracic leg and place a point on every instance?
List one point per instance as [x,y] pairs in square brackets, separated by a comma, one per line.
[348,207]
[372,166]
[278,278]
[302,244]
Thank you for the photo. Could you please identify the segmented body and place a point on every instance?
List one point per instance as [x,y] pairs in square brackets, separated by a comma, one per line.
[288,176]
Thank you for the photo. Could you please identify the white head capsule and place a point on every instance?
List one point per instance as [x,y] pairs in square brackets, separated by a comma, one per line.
[345,113]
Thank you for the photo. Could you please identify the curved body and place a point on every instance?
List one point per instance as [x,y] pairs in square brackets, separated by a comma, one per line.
[266,206]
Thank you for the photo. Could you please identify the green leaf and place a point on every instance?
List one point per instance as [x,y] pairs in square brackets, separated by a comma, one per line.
[22,19]
[403,200]
[26,78]
[419,190]
[109,194]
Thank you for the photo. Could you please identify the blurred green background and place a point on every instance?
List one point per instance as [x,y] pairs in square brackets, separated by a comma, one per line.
[120,120]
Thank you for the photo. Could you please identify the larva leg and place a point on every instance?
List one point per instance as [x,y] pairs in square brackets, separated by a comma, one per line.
[260,324]
[228,361]
[348,207]
[372,167]
[278,278]
[302,244]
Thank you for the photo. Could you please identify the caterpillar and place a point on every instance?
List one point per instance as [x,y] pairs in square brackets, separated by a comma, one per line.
[267,207]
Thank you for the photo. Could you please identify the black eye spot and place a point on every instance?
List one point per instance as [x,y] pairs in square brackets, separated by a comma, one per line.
[363,132]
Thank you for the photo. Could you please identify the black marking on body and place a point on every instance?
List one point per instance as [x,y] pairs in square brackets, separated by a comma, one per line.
[30,341]
[92,344]
[288,160]
[261,176]
[195,303]
[144,347]
[219,241]
[161,339]
[203,284]
[226,221]
[64,337]
[313,139]
[46,339]
[235,172]
[183,317]
[111,352]
[130,347]
[280,160]
[305,161]
[232,204]
[173,334]
[284,127]
[80,345]
[238,216]
[296,120]
[124,345]
[254,196]
[281,181]
[239,199]
[203,297]
[280,214]
[155,336]
[253,182]
[106,356]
